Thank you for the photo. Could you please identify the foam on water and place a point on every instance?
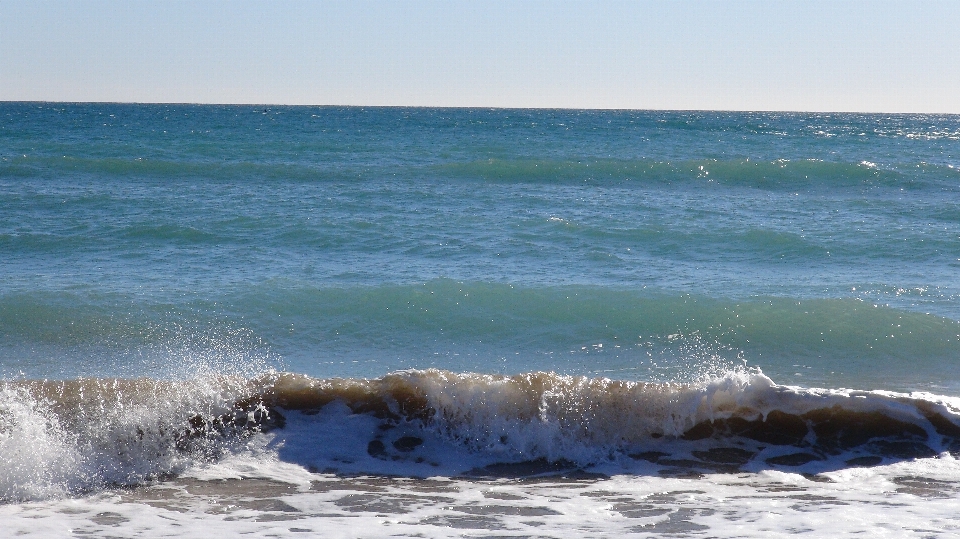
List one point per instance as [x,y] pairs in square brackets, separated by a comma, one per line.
[768,505]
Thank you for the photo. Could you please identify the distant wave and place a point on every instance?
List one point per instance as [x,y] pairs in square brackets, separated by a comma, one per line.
[780,174]
[154,168]
[774,175]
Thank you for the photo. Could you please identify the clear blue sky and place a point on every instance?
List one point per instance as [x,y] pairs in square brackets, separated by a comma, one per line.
[884,56]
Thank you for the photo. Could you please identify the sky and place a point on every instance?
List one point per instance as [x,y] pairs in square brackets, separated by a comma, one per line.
[800,55]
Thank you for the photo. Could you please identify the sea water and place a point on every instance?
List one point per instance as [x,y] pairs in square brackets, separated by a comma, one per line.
[382,322]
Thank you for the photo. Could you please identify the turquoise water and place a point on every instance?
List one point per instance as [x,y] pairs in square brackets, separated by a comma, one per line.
[145,240]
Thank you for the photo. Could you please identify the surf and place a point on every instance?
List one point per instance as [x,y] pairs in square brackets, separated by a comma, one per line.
[72,436]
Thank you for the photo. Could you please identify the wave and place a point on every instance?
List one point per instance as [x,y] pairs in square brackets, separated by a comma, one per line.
[778,174]
[62,437]
[772,174]
[174,170]
[441,313]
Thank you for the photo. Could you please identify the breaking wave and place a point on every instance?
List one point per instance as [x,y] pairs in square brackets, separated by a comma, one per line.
[62,437]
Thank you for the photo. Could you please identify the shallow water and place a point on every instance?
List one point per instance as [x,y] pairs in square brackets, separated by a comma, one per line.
[768,505]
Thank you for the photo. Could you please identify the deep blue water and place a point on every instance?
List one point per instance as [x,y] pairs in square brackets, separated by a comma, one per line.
[144,240]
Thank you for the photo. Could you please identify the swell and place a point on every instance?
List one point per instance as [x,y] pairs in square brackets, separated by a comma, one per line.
[778,174]
[811,174]
[174,170]
[444,312]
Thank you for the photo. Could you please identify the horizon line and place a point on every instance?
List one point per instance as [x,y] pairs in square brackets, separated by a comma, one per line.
[474,107]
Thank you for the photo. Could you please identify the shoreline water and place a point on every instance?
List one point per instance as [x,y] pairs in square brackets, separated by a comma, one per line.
[268,482]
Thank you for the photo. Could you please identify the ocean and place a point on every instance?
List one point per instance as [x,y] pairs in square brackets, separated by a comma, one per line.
[414,322]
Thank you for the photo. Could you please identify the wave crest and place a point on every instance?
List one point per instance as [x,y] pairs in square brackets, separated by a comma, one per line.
[59,437]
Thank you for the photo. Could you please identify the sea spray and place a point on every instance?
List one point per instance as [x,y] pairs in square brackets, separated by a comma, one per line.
[66,437]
